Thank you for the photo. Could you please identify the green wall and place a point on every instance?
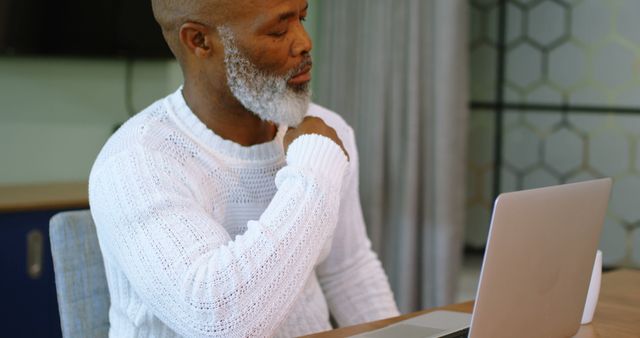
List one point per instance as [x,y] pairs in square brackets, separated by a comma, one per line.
[55,114]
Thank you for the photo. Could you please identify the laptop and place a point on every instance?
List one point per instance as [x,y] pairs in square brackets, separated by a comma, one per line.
[536,270]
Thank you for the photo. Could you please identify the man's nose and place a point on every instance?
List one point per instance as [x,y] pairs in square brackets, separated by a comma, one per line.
[302,43]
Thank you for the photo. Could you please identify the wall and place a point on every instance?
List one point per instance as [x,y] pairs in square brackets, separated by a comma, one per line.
[56,113]
[560,54]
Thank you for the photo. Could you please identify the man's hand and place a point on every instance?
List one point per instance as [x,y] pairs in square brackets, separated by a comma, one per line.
[312,125]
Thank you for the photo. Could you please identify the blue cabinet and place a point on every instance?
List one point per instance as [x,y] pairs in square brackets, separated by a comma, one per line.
[29,307]
[28,303]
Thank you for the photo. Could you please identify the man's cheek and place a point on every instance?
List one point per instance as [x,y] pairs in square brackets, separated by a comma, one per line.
[273,61]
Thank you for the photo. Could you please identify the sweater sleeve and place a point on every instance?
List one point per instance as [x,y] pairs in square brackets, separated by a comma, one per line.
[185,267]
[352,277]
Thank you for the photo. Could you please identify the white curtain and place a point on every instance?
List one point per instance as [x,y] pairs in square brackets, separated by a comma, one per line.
[397,72]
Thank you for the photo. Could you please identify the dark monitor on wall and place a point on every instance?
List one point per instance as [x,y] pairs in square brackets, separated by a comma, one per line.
[81,28]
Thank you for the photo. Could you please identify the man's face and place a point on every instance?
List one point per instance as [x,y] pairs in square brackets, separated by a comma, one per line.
[268,63]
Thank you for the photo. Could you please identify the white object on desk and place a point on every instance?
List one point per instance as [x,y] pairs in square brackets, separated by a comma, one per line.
[594,290]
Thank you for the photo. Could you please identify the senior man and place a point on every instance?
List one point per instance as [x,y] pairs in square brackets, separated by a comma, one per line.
[230,208]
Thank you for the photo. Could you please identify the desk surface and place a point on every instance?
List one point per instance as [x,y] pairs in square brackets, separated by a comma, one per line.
[49,196]
[617,313]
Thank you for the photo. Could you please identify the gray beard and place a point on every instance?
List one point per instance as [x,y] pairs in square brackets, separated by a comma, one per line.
[267,96]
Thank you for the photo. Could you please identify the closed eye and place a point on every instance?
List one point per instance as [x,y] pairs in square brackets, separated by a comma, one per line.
[278,34]
[285,17]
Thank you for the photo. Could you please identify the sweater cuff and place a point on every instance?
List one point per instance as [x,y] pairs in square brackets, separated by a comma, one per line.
[318,154]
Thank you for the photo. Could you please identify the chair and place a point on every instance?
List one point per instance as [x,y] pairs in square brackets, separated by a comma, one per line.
[81,284]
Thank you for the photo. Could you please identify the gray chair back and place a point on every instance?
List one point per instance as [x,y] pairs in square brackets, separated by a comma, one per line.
[81,284]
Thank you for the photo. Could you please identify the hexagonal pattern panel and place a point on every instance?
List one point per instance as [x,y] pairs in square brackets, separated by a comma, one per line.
[492,25]
[563,52]
[546,22]
[627,20]
[524,65]
[626,124]
[483,69]
[512,95]
[591,21]
[609,152]
[511,120]
[629,97]
[567,65]
[581,177]
[564,151]
[612,243]
[481,137]
[521,148]
[587,96]
[524,2]
[544,94]
[508,180]
[539,178]
[514,23]
[580,49]
[613,53]
[624,198]
[542,122]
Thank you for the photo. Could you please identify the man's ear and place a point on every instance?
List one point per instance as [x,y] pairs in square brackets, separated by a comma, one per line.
[196,39]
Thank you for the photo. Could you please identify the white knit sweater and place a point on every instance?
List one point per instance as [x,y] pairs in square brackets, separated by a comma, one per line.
[202,237]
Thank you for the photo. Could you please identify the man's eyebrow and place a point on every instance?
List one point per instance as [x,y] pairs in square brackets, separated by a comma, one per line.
[288,15]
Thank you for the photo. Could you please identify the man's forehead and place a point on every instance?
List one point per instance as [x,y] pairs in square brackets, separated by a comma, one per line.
[270,4]
[266,9]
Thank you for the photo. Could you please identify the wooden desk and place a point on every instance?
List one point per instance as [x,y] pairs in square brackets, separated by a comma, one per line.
[617,314]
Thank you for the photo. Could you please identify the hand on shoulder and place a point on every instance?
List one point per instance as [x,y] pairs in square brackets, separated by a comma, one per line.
[313,125]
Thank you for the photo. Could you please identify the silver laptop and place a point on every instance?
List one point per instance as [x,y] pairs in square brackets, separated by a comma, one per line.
[536,270]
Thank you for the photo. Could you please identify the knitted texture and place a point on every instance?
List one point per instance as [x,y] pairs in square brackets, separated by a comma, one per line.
[202,237]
